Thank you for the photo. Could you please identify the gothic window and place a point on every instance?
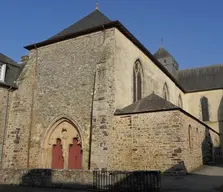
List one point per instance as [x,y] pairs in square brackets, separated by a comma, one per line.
[165,92]
[204,109]
[137,81]
[180,102]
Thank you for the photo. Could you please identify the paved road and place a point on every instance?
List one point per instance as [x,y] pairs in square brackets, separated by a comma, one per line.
[206,179]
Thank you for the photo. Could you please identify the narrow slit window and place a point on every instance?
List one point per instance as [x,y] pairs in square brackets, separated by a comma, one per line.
[165,92]
[180,102]
[137,81]
[204,109]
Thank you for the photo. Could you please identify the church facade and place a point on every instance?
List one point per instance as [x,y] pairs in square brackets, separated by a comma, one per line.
[93,97]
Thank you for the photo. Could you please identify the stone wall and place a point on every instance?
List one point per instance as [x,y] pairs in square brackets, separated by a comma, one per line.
[215,108]
[57,82]
[155,141]
[153,78]
[47,178]
[19,121]
[3,101]
[198,142]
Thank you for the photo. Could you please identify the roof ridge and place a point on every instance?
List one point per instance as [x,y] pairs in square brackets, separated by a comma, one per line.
[202,67]
[95,18]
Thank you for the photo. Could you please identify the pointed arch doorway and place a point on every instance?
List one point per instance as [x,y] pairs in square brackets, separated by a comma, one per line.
[62,146]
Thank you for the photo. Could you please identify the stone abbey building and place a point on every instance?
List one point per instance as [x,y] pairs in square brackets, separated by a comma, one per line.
[93,97]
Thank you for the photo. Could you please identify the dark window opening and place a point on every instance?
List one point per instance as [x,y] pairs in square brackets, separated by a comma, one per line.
[204,109]
[137,82]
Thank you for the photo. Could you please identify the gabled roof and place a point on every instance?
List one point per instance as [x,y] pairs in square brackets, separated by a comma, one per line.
[94,19]
[102,23]
[162,53]
[150,103]
[13,70]
[201,79]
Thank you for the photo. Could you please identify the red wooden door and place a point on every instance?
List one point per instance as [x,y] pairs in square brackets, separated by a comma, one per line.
[75,156]
[57,156]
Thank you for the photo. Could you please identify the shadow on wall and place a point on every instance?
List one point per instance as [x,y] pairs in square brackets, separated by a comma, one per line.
[46,178]
[220,120]
[93,181]
[207,148]
[211,155]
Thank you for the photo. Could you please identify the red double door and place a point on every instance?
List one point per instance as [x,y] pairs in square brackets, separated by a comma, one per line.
[74,158]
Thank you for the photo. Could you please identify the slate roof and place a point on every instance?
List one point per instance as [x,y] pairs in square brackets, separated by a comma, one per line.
[162,53]
[94,19]
[13,71]
[203,78]
[150,103]
[6,60]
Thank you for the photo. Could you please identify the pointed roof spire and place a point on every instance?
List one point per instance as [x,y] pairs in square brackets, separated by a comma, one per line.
[97,6]
[94,19]
[161,41]
[162,53]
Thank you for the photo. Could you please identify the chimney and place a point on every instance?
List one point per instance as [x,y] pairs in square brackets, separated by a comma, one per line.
[24,59]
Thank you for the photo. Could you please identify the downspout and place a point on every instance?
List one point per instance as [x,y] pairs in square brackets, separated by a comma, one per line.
[5,121]
[92,108]
[91,123]
[32,106]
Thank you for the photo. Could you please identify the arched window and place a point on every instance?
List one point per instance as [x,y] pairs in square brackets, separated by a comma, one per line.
[189,136]
[180,102]
[165,92]
[137,81]
[204,109]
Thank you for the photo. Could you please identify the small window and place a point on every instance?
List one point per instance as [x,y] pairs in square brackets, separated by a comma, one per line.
[2,72]
[204,109]
[180,102]
[189,136]
[165,92]
[164,60]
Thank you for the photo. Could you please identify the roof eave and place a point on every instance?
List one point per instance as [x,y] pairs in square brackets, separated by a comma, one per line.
[73,35]
[119,112]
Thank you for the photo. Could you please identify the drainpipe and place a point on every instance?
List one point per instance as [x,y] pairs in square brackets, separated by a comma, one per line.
[91,123]
[5,120]
[32,106]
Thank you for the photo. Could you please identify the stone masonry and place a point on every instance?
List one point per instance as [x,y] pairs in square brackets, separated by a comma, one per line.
[155,141]
[58,81]
[82,81]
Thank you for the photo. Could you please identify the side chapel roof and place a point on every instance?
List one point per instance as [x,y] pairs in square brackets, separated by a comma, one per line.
[150,103]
